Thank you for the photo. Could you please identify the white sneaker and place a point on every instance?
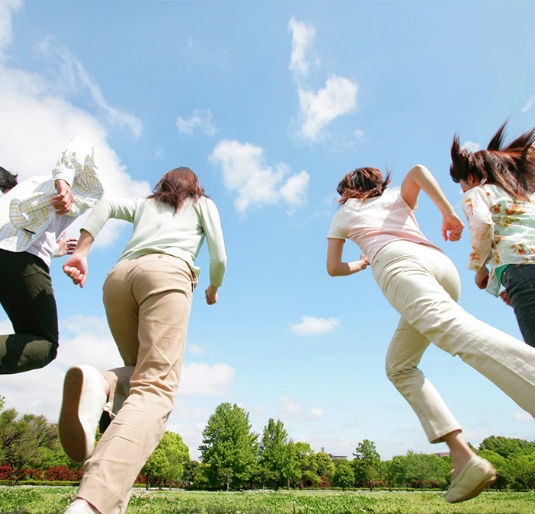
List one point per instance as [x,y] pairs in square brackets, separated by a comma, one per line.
[83,401]
[80,506]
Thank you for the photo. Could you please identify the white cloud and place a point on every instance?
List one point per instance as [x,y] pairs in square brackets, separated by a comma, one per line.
[294,188]
[522,417]
[7,7]
[35,392]
[338,97]
[317,413]
[317,109]
[205,56]
[302,40]
[37,127]
[529,104]
[92,343]
[87,341]
[259,412]
[188,412]
[79,324]
[191,433]
[68,77]
[199,122]
[291,409]
[352,422]
[159,154]
[200,378]
[256,183]
[311,326]
[470,146]
[359,134]
[35,130]
[406,429]
[325,440]
[195,349]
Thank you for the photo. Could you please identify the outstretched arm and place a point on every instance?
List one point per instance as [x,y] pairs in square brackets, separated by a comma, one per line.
[216,249]
[335,266]
[118,208]
[76,265]
[420,178]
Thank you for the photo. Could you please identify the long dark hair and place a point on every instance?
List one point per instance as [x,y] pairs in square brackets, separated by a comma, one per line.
[176,186]
[512,168]
[362,183]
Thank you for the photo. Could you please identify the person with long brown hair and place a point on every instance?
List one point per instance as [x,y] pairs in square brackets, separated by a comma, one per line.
[423,285]
[147,297]
[498,199]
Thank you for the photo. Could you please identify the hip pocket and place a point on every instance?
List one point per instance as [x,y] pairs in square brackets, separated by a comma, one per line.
[194,280]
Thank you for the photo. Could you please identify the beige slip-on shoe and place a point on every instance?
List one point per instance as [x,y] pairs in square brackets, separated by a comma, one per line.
[477,475]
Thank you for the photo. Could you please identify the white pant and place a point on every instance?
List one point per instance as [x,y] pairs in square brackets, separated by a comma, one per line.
[423,285]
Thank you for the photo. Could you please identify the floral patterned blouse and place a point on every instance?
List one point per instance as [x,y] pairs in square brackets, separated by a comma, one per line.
[502,230]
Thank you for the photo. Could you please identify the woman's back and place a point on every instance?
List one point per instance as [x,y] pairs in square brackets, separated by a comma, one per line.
[377,221]
[158,229]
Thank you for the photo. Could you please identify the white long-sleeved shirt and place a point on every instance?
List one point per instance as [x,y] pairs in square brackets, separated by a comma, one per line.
[28,222]
[158,229]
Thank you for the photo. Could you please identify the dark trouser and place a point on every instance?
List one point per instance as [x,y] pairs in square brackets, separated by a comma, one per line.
[28,299]
[519,281]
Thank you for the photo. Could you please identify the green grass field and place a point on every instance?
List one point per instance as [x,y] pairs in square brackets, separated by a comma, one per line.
[53,500]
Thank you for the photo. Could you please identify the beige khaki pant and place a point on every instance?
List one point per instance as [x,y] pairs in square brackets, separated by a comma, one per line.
[148,303]
[423,285]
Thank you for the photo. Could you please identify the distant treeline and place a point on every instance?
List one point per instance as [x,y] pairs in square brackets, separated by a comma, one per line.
[233,457]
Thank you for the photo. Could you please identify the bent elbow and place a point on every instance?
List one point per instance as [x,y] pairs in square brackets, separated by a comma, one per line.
[332,270]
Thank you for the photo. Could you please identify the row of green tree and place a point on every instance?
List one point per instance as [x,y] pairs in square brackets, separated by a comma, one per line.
[234,457]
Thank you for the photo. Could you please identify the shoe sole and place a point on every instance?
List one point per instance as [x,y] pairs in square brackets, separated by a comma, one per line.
[481,487]
[486,482]
[71,431]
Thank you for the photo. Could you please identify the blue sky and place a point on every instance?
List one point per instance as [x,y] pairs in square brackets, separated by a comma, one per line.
[270,103]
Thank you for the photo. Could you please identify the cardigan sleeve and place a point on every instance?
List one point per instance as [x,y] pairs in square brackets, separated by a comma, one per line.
[476,206]
[117,208]
[214,238]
